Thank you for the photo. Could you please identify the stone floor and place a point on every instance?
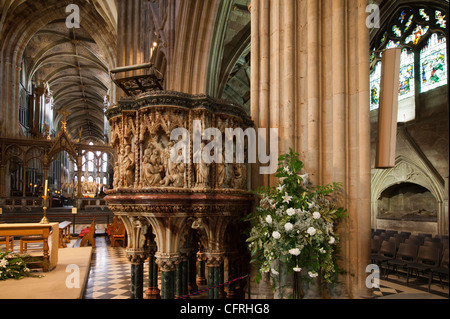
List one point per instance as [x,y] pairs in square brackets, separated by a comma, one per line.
[109,278]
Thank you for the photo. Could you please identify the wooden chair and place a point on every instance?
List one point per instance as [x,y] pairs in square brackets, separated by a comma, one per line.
[89,237]
[118,234]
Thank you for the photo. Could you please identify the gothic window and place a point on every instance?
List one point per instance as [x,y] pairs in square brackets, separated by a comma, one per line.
[419,31]
[433,64]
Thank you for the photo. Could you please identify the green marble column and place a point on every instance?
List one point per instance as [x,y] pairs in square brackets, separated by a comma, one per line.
[201,279]
[167,284]
[178,280]
[211,281]
[152,292]
[137,281]
[192,284]
[184,276]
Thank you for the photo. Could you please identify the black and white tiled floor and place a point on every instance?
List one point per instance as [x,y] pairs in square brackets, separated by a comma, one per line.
[109,276]
[110,271]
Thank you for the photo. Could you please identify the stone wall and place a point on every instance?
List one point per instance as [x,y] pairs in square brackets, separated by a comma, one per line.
[422,157]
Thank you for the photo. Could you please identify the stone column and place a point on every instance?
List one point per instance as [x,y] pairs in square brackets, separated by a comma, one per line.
[137,259]
[152,291]
[214,262]
[201,279]
[192,285]
[310,80]
[167,264]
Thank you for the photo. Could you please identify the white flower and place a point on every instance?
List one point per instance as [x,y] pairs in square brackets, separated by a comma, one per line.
[290,211]
[294,251]
[332,240]
[274,272]
[305,177]
[286,169]
[3,263]
[288,226]
[322,251]
[316,215]
[286,198]
[280,187]
[312,274]
[269,219]
[311,231]
[297,269]
[311,204]
[276,235]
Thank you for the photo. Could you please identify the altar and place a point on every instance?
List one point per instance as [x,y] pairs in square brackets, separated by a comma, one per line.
[49,232]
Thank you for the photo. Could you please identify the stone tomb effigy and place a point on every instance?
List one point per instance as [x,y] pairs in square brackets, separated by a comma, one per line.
[182,214]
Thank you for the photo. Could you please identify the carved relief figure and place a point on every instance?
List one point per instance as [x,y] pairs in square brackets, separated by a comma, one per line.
[175,176]
[201,170]
[152,167]
[128,166]
[239,176]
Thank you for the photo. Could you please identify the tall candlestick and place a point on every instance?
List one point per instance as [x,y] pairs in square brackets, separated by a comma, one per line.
[45,187]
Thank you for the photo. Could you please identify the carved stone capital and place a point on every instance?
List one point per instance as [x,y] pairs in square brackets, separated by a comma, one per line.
[214,259]
[167,262]
[136,255]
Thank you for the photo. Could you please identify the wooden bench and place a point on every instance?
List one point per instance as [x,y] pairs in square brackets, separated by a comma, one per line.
[64,234]
[88,236]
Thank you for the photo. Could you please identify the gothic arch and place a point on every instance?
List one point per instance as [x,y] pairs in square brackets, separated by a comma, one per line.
[407,170]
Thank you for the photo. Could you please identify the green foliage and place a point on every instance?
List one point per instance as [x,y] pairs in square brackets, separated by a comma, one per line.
[294,224]
[13,265]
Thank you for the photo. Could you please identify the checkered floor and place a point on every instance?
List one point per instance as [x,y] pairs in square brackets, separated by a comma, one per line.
[109,276]
[110,272]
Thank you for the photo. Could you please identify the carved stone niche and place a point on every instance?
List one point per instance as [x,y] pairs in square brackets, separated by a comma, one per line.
[407,201]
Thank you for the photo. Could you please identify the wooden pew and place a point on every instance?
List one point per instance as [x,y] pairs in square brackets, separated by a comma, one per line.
[118,234]
[89,237]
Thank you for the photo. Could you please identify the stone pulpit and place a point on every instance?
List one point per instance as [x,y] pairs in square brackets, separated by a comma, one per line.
[181,209]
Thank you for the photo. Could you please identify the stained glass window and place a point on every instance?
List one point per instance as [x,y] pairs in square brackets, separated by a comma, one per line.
[415,29]
[424,15]
[417,34]
[375,77]
[406,85]
[433,63]
[440,19]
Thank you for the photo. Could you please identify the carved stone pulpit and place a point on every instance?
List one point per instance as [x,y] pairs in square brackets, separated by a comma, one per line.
[165,184]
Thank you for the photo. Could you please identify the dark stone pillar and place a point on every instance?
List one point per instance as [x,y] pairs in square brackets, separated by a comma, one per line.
[192,285]
[167,284]
[215,275]
[201,279]
[153,291]
[137,280]
[169,274]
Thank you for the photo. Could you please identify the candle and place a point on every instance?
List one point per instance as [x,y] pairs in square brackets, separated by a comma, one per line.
[45,187]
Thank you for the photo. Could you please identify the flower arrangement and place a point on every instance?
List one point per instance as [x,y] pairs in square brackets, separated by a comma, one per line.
[13,265]
[294,225]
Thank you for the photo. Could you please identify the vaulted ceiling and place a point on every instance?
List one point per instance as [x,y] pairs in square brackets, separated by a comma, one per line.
[71,62]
